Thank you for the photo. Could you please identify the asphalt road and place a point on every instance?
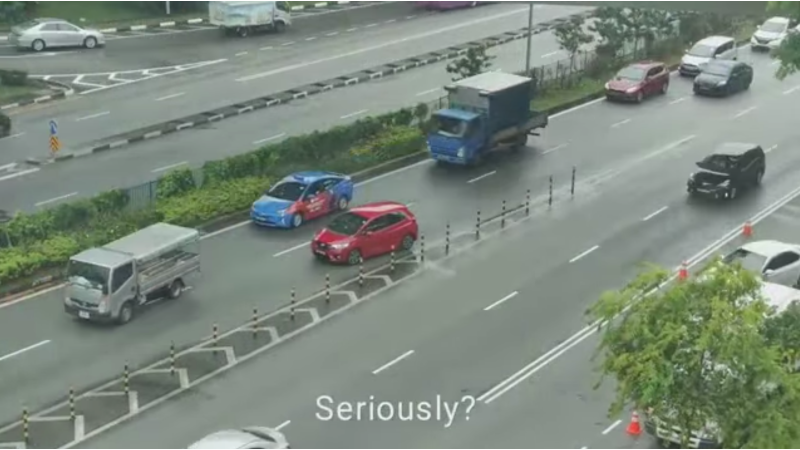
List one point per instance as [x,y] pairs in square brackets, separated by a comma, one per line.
[630,207]
[256,67]
[140,163]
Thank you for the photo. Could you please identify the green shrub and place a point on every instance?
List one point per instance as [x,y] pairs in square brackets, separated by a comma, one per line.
[176,182]
[13,77]
[202,205]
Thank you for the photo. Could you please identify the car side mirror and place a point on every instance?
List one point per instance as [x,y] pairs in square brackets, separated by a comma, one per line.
[768,273]
[367,233]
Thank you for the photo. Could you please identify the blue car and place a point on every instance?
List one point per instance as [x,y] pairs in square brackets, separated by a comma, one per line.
[302,196]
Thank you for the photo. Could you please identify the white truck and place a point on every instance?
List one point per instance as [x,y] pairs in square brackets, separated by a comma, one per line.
[109,283]
[242,18]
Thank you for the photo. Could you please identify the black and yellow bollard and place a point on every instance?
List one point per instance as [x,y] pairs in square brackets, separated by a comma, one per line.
[26,431]
[361,274]
[478,226]
[72,412]
[447,240]
[292,303]
[391,261]
[172,358]
[327,288]
[528,202]
[550,197]
[126,381]
[255,323]
[215,336]
[503,215]
[422,249]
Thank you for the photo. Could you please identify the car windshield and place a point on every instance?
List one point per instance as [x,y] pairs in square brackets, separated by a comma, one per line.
[702,50]
[347,224]
[719,163]
[88,274]
[749,261]
[631,73]
[721,70]
[774,26]
[449,126]
[291,191]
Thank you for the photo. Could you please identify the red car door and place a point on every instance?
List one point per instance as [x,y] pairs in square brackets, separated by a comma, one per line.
[373,240]
[397,229]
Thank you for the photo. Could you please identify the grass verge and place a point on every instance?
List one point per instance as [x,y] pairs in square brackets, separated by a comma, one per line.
[34,88]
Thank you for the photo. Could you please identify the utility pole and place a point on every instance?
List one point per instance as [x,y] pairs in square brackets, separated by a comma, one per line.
[530,34]
[168,10]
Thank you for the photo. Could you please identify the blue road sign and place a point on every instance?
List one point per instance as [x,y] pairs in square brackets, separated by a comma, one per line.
[53,128]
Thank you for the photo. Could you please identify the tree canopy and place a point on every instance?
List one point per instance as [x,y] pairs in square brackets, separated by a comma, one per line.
[707,353]
[789,51]
[571,36]
[474,62]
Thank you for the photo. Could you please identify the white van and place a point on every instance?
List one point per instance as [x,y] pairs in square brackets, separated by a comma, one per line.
[713,47]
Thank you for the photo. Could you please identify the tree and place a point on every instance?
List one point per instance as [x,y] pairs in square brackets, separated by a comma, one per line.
[474,62]
[571,36]
[697,354]
[12,12]
[612,29]
[649,25]
[789,51]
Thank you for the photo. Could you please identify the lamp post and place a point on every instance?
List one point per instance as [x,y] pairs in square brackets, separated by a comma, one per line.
[168,9]
[530,34]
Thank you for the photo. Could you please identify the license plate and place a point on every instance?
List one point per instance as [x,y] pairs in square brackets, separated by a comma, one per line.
[320,252]
[83,314]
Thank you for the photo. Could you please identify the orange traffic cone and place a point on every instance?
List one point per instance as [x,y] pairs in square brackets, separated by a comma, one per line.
[634,428]
[747,229]
[683,272]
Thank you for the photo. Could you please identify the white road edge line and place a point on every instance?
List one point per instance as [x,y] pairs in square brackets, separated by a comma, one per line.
[283,425]
[611,427]
[791,90]
[486,175]
[26,349]
[12,136]
[271,138]
[93,116]
[741,113]
[650,216]
[620,123]
[677,100]
[289,250]
[171,166]
[547,55]
[55,199]
[19,174]
[167,97]
[393,362]
[584,254]
[429,91]
[353,114]
[501,301]
[554,149]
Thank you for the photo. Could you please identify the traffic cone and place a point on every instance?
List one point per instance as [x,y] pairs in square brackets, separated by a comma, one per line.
[747,229]
[634,428]
[683,272]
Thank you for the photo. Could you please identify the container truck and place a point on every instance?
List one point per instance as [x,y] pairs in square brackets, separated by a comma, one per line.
[109,283]
[242,18]
[486,113]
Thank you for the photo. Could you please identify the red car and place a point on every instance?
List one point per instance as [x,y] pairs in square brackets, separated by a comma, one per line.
[365,232]
[638,81]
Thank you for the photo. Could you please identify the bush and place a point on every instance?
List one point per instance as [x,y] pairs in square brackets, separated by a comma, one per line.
[13,77]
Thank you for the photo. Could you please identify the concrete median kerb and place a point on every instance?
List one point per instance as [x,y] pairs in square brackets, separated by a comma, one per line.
[64,91]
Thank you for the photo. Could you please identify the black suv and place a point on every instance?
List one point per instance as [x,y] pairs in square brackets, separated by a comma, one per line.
[5,125]
[730,170]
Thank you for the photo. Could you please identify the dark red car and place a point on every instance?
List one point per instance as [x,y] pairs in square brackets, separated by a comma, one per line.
[637,81]
[365,232]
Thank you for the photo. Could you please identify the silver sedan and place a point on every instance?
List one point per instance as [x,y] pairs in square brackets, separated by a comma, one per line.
[251,437]
[39,34]
[775,261]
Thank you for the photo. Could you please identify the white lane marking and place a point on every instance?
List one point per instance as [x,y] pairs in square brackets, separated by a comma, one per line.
[13,136]
[576,108]
[354,114]
[410,17]
[677,100]
[19,174]
[283,425]
[380,46]
[26,349]
[391,21]
[554,149]
[55,199]
[650,216]
[171,166]
[332,34]
[620,123]
[350,30]
[429,91]
[288,43]
[240,54]
[167,97]
[263,49]
[8,166]
[271,138]
[746,111]
[486,175]
[554,353]
[393,362]
[548,55]
[767,150]
[93,116]
[584,254]
[371,25]
[311,38]
[289,250]
[501,301]
[791,90]
[611,427]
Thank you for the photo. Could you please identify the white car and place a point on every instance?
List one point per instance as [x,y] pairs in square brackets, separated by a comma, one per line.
[41,34]
[771,33]
[777,262]
[249,437]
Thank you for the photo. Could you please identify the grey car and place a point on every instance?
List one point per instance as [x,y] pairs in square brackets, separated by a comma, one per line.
[39,34]
[251,437]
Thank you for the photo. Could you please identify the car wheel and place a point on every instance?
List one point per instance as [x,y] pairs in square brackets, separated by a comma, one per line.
[280,27]
[639,97]
[5,130]
[90,42]
[297,220]
[759,177]
[125,313]
[175,289]
[407,243]
[733,194]
[664,88]
[354,257]
[342,203]
[242,32]
[38,45]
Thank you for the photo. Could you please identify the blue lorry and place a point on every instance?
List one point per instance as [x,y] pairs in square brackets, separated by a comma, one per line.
[485,113]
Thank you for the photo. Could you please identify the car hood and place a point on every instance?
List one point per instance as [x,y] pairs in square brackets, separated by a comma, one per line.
[698,61]
[326,236]
[708,79]
[621,84]
[768,36]
[270,205]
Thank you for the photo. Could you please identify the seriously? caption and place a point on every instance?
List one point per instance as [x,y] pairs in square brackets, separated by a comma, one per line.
[372,410]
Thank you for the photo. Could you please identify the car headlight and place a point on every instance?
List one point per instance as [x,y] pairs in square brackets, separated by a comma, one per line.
[722,83]
[460,152]
[607,87]
[282,213]
[340,245]
[102,307]
[67,300]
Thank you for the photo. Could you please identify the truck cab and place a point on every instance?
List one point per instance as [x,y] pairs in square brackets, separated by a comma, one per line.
[99,281]
[457,135]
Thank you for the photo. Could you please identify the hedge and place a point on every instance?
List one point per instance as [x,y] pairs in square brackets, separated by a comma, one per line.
[30,243]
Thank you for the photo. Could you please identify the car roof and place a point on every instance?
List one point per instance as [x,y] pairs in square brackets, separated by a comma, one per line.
[646,64]
[734,148]
[310,176]
[768,248]
[715,40]
[778,19]
[372,210]
[724,63]
[242,438]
